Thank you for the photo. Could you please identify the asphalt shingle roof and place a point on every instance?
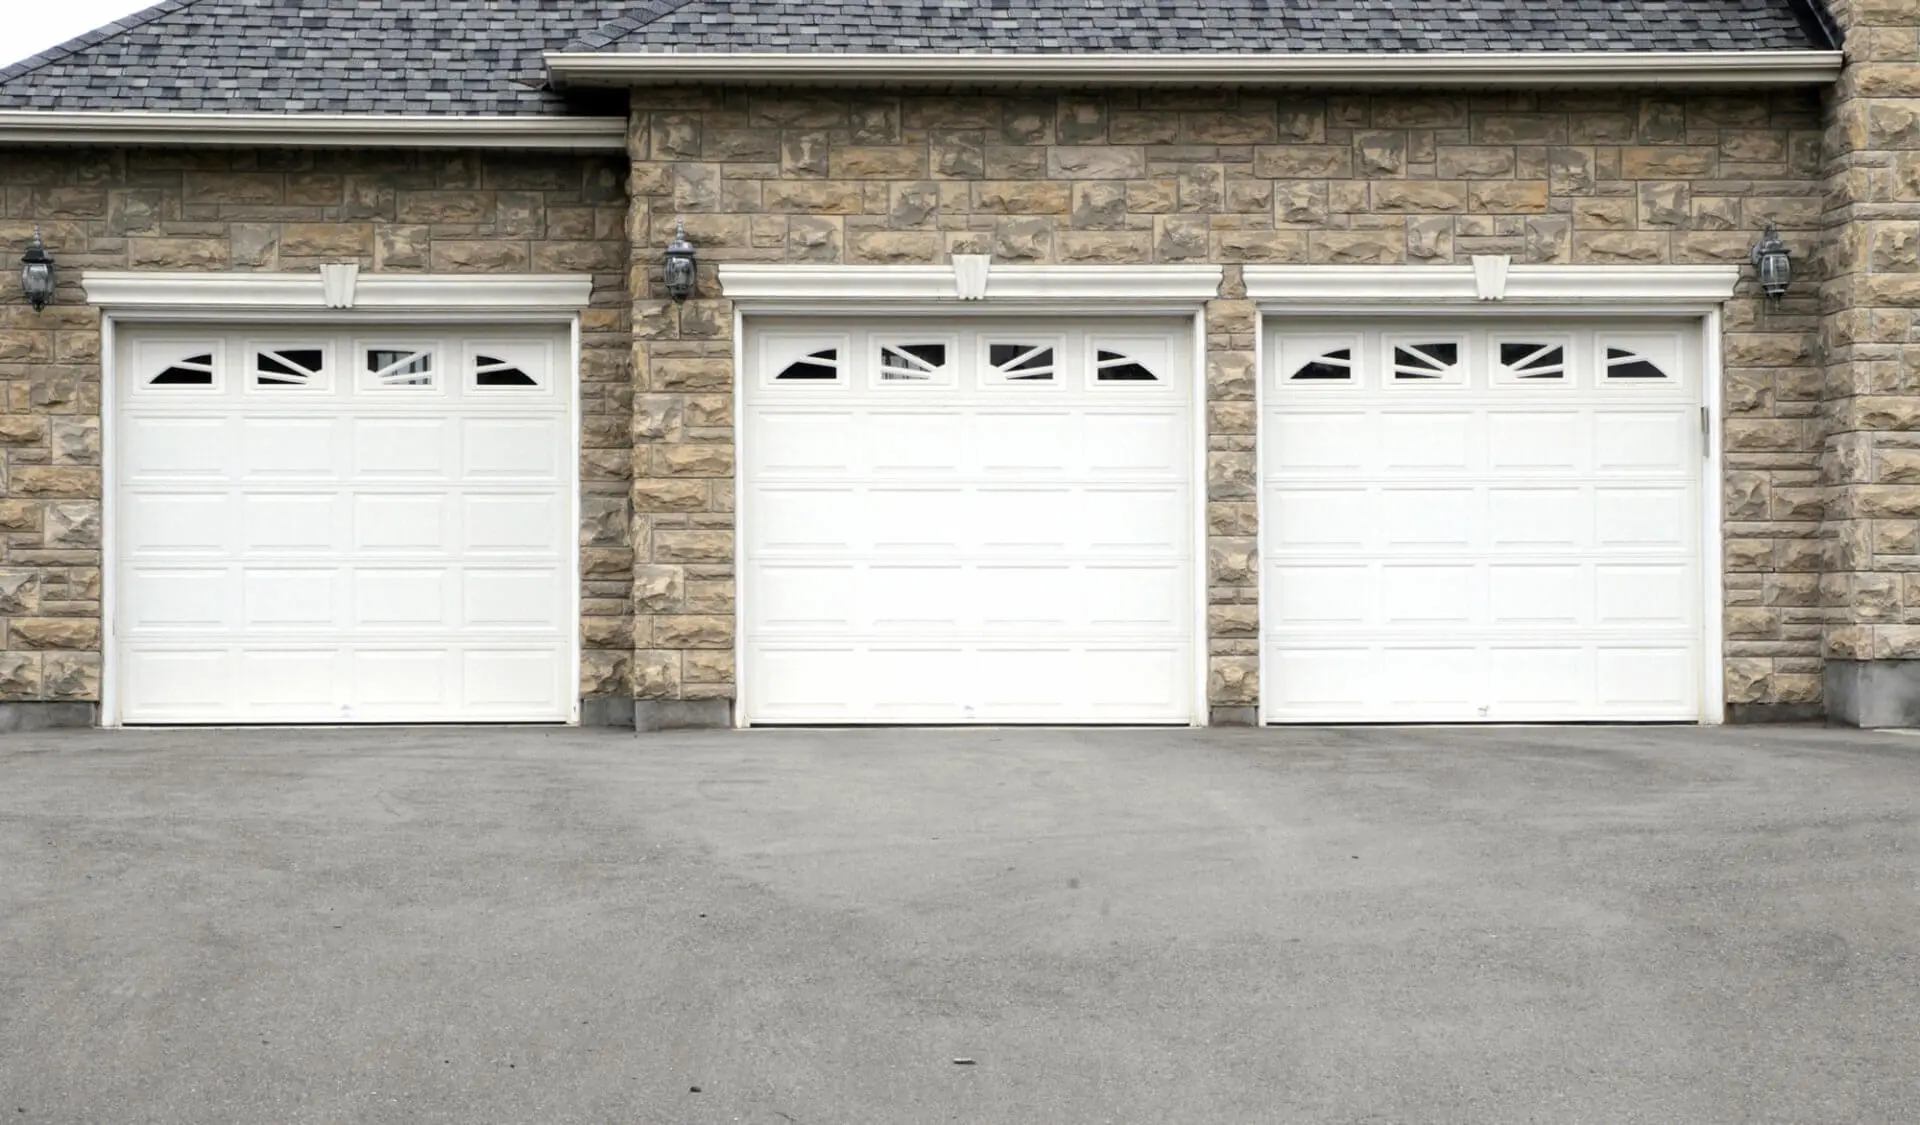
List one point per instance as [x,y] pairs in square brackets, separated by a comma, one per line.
[1017,26]
[483,56]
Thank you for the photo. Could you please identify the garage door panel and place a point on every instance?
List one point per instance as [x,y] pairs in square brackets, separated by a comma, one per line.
[1538,518]
[292,683]
[282,599]
[1537,441]
[404,523]
[402,449]
[1644,442]
[996,550]
[1554,594]
[516,450]
[1428,518]
[1320,595]
[174,600]
[161,524]
[1149,445]
[913,597]
[913,441]
[299,449]
[513,599]
[403,598]
[1433,441]
[167,449]
[809,442]
[291,522]
[1521,545]
[351,549]
[1313,444]
[1642,517]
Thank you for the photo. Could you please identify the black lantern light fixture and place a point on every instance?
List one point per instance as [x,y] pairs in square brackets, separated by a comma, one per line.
[36,273]
[681,269]
[1770,258]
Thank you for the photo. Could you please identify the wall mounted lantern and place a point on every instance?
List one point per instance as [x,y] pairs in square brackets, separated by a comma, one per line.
[681,269]
[36,273]
[1770,258]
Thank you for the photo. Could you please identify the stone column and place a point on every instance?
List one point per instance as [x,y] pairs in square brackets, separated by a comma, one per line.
[1870,457]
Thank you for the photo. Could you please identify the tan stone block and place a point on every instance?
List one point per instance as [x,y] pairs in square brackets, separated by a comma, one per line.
[54,633]
[692,631]
[1521,128]
[1096,162]
[1232,562]
[894,247]
[1381,153]
[1104,246]
[472,256]
[606,632]
[20,674]
[1619,247]
[666,494]
[678,546]
[1358,247]
[19,592]
[20,515]
[22,429]
[691,373]
[708,666]
[1022,197]
[606,672]
[326,240]
[1475,162]
[1508,197]
[1233,681]
[1230,476]
[878,162]
[825,197]
[659,589]
[1303,162]
[1424,111]
[1233,621]
[73,524]
[1143,127]
[691,459]
[814,238]
[1747,679]
[1668,162]
[1023,239]
[656,674]
[1896,537]
[178,253]
[1229,375]
[1752,622]
[1896,642]
[233,187]
[1181,238]
[1260,246]
[1419,196]
[36,480]
[1744,435]
[75,441]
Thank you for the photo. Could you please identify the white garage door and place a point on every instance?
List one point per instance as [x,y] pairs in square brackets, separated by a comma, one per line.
[968,521]
[329,526]
[1481,524]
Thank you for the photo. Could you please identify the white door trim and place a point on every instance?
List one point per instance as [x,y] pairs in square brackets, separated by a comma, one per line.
[1707,321]
[110,704]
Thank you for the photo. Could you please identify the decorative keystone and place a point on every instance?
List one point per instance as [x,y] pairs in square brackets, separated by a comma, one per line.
[970,275]
[1490,276]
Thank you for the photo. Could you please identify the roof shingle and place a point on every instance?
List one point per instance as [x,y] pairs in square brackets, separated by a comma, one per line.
[482,57]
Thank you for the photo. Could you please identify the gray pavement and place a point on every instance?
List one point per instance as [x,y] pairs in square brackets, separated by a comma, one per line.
[1504,925]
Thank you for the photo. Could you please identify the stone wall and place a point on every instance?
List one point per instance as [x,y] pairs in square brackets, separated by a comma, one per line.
[1870,339]
[453,212]
[1603,178]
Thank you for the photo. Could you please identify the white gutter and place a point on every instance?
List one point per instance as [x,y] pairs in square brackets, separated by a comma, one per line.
[313,130]
[1545,68]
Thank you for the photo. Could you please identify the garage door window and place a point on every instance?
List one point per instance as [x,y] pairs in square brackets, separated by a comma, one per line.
[192,371]
[1021,362]
[1624,363]
[400,367]
[1428,362]
[915,363]
[289,367]
[1332,364]
[1531,361]
[1119,367]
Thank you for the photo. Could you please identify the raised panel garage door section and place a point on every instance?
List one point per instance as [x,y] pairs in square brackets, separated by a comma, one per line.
[1481,524]
[968,521]
[325,526]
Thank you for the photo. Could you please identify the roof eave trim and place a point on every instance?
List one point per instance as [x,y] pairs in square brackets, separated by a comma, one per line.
[1545,68]
[144,127]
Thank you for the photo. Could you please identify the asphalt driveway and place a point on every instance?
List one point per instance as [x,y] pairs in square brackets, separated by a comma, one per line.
[1587,924]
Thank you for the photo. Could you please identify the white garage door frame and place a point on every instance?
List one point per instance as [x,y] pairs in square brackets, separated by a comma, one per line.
[972,286]
[1494,287]
[337,296]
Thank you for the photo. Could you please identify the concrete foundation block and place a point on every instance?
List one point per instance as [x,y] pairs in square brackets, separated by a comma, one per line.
[606,711]
[47,716]
[1234,717]
[1873,693]
[682,714]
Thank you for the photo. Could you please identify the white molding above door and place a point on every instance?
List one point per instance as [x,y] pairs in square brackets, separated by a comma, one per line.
[1491,283]
[336,289]
[971,282]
